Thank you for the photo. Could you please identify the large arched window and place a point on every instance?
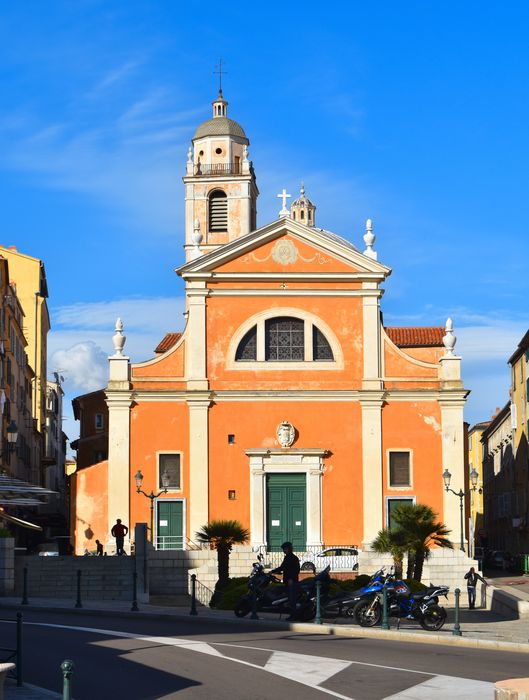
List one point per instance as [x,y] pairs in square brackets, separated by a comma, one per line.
[218,212]
[284,339]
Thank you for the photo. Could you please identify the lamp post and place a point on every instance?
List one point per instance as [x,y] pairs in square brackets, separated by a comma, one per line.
[165,483]
[461,495]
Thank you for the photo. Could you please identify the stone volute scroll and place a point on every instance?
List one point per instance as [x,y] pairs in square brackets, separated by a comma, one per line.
[118,339]
[286,434]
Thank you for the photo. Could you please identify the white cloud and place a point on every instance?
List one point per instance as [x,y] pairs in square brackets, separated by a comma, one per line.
[84,365]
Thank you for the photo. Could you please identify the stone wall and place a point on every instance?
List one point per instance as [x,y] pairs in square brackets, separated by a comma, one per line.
[102,578]
[7,565]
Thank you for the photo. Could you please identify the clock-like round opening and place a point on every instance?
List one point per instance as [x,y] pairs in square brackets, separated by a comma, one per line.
[218,151]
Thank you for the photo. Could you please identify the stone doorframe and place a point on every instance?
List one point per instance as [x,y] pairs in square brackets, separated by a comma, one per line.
[286,461]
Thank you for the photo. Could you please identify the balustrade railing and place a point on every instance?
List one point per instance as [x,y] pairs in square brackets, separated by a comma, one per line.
[217,169]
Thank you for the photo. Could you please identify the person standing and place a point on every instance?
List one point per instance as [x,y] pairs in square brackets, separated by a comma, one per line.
[99,549]
[472,578]
[290,570]
[119,531]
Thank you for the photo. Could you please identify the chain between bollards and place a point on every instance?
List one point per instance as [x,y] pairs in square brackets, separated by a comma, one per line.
[25,586]
[254,615]
[78,603]
[193,610]
[317,619]
[385,621]
[19,650]
[134,607]
[67,668]
[457,629]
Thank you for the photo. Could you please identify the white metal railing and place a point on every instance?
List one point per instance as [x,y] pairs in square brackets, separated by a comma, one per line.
[169,542]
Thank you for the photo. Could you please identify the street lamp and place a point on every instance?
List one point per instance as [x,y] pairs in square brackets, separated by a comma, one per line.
[165,483]
[12,435]
[474,476]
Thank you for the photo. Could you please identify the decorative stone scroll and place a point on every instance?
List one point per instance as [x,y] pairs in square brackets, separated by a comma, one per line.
[285,253]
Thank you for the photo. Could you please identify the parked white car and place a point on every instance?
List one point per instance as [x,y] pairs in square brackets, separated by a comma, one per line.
[339,559]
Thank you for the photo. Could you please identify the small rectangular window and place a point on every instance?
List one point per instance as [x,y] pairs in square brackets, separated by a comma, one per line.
[394,503]
[170,464]
[231,439]
[100,421]
[399,469]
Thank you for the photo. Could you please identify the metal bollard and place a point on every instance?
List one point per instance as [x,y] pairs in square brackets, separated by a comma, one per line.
[193,610]
[134,607]
[385,621]
[317,619]
[254,615]
[67,668]
[25,587]
[457,629]
[19,650]
[78,603]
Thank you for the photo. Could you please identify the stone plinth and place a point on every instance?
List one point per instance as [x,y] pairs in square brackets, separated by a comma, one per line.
[512,689]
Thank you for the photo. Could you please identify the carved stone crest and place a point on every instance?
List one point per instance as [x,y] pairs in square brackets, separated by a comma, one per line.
[286,434]
[284,252]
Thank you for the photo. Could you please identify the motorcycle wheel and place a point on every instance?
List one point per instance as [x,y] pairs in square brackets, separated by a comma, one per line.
[366,617]
[242,608]
[433,619]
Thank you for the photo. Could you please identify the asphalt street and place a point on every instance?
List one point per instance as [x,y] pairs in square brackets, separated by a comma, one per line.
[141,659]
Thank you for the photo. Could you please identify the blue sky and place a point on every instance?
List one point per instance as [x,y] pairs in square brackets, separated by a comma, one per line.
[414,114]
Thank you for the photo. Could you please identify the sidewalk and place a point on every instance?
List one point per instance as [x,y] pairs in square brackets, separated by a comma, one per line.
[485,627]
[27,692]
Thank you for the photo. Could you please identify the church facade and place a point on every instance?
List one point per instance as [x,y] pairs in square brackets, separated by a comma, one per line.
[285,403]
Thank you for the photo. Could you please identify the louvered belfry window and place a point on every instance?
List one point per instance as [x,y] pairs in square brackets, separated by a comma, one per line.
[399,469]
[218,212]
[285,339]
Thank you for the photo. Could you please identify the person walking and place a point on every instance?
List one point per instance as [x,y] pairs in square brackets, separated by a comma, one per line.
[472,578]
[119,531]
[99,549]
[290,570]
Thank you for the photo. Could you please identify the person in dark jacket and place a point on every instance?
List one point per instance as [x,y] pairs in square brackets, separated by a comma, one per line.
[290,570]
[472,579]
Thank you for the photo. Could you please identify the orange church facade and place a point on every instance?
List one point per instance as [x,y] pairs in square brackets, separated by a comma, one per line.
[285,403]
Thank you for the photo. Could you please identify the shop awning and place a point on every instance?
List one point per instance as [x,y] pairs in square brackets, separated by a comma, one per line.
[19,522]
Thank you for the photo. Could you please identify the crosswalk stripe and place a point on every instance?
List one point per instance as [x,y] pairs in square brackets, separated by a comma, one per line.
[309,670]
[443,687]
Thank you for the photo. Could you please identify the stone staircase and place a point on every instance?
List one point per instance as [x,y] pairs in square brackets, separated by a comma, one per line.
[102,578]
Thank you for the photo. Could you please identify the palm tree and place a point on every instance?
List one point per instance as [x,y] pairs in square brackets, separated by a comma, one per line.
[223,534]
[422,531]
[392,542]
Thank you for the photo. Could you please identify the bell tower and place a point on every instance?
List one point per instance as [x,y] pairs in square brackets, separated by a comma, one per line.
[220,187]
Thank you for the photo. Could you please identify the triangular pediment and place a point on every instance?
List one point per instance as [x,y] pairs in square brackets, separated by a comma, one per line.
[286,246]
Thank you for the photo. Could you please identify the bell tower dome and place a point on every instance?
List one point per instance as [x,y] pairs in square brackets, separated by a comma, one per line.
[302,209]
[220,187]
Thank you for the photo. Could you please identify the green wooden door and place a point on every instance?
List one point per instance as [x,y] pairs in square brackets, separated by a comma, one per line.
[170,525]
[286,510]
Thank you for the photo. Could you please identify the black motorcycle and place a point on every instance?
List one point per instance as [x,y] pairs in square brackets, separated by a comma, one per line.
[403,604]
[268,598]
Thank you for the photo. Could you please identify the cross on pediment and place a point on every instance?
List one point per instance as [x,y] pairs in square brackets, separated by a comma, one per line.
[284,196]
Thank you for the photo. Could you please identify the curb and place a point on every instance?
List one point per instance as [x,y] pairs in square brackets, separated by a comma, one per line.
[301,627]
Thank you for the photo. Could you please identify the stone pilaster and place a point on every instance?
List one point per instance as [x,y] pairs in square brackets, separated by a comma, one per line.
[198,463]
[372,378]
[372,467]
[195,354]
[453,459]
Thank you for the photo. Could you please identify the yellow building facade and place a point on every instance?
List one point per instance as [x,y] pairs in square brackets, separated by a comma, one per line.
[29,276]
[475,461]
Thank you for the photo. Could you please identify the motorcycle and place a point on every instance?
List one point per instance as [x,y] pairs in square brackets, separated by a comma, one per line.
[345,603]
[401,603]
[275,599]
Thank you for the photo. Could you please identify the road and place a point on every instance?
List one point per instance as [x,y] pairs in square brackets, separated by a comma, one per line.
[142,659]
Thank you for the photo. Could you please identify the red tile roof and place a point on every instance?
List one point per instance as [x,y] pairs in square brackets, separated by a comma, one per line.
[428,336]
[167,342]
